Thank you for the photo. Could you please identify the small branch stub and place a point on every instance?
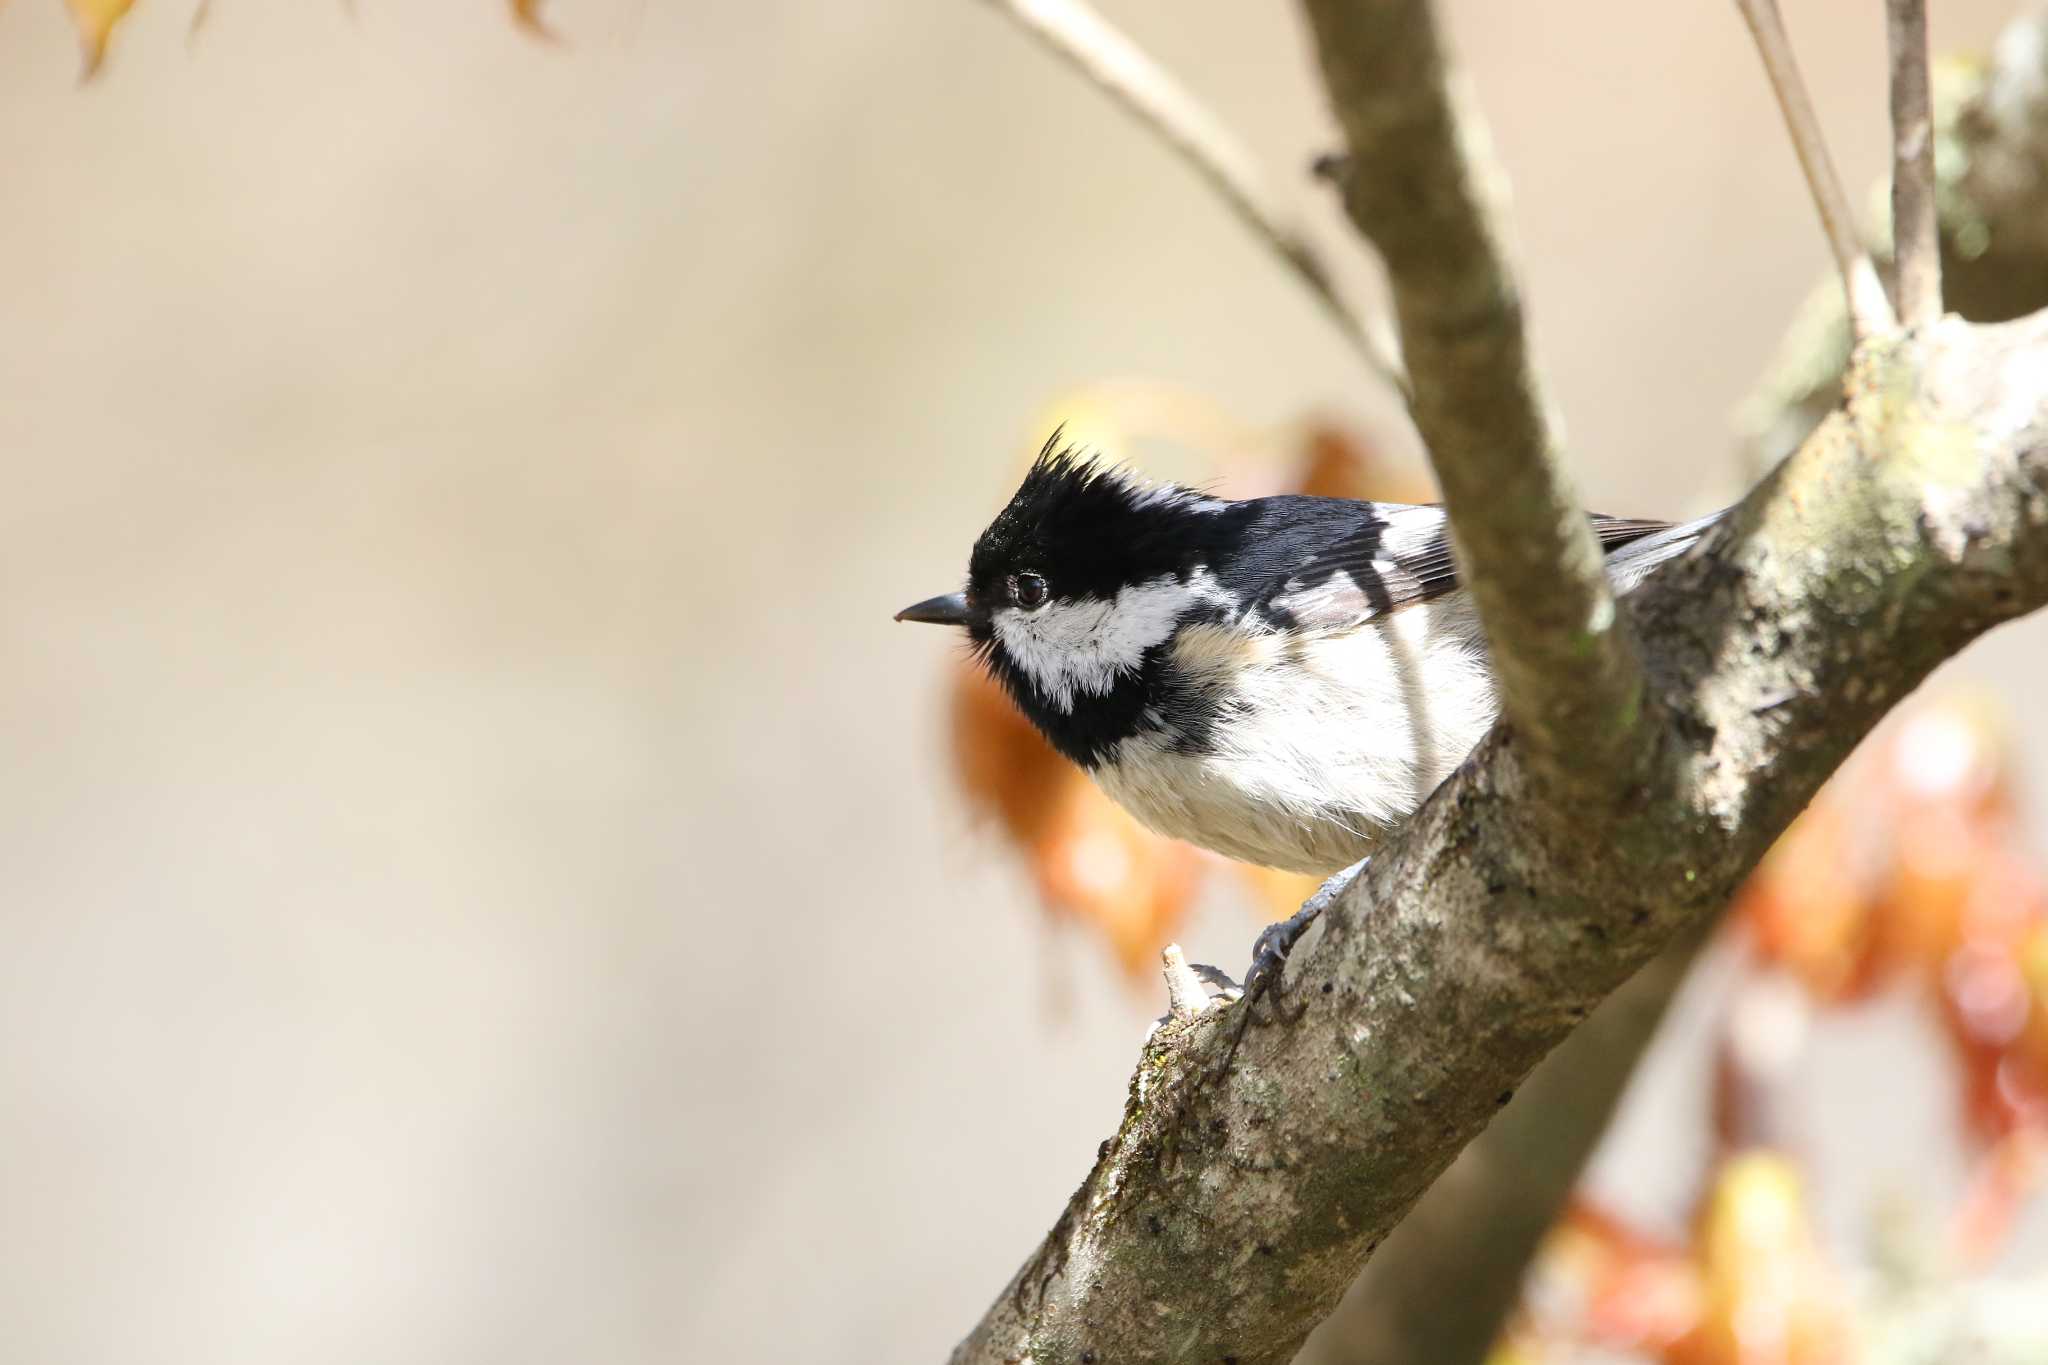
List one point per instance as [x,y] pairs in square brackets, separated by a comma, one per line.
[1185,997]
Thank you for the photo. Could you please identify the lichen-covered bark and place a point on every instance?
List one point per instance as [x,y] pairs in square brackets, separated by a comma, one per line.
[1616,808]
[1474,1233]
[1227,1214]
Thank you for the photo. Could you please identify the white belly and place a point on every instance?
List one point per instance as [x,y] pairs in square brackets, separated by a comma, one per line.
[1325,741]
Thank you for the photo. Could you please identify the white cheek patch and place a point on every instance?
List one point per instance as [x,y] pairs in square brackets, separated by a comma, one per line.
[1082,647]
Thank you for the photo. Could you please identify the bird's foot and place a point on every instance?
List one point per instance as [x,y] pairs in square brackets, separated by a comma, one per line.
[1268,974]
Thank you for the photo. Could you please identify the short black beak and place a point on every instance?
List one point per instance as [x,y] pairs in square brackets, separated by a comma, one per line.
[950,610]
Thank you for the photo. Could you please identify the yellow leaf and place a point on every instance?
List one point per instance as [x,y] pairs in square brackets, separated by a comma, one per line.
[1771,1299]
[96,20]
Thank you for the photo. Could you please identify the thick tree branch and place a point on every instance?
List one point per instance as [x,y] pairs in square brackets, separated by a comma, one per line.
[1475,1228]
[1227,1215]
[1916,250]
[1479,1223]
[1421,184]
[1229,1211]
[1472,1236]
[1868,311]
[1099,51]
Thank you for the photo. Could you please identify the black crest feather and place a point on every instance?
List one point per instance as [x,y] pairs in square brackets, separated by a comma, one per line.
[1089,526]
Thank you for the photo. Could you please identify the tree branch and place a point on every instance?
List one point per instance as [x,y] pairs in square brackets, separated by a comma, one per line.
[1229,1211]
[1916,249]
[1472,1236]
[1991,125]
[1868,310]
[1120,68]
[1474,1231]
[1227,1215]
[1420,183]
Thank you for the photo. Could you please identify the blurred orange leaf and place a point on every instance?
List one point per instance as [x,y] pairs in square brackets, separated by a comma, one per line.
[95,20]
[2004,1180]
[2033,961]
[1632,1293]
[1342,462]
[1769,1298]
[526,13]
[1808,909]
[1089,858]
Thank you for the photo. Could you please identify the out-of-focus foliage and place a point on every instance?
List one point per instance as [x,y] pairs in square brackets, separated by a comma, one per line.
[1768,1299]
[526,13]
[1604,1280]
[1088,859]
[1910,865]
[96,20]
[1750,1288]
[1908,872]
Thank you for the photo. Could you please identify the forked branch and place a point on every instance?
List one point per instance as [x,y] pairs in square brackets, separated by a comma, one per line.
[1230,1209]
[1869,312]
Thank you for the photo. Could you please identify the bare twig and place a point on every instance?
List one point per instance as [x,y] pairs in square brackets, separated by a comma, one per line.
[1916,248]
[1991,119]
[1099,51]
[1420,182]
[1869,311]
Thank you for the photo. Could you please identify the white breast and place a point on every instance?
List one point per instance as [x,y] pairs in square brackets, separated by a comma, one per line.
[1322,741]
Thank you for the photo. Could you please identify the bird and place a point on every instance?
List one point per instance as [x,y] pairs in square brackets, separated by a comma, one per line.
[1281,680]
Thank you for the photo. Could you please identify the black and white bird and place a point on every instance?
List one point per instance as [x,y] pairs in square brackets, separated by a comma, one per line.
[1282,679]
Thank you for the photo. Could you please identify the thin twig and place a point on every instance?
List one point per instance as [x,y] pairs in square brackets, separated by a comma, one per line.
[1095,48]
[1916,247]
[1869,311]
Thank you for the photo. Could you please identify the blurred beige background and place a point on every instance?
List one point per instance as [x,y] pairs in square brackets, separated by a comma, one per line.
[478,880]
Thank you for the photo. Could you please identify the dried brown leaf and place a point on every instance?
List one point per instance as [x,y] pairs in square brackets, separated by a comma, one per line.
[526,13]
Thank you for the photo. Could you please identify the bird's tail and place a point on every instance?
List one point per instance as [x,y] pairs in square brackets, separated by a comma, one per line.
[1633,562]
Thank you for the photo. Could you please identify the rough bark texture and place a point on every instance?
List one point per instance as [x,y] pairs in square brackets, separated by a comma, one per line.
[1474,1233]
[1480,1222]
[1227,1214]
[1229,1211]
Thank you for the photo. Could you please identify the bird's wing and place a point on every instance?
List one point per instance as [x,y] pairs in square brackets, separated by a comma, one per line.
[1397,555]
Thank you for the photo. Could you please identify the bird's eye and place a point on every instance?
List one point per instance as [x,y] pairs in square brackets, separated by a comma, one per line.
[1028,591]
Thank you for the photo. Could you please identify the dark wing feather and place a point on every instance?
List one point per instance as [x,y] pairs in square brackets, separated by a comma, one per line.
[1394,555]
